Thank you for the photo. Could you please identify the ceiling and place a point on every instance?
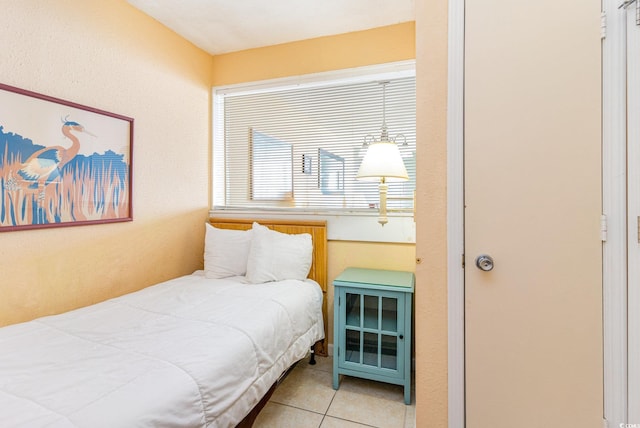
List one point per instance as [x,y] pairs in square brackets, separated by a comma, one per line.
[221,26]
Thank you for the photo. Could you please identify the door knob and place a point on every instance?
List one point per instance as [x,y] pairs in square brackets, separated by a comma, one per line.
[484,262]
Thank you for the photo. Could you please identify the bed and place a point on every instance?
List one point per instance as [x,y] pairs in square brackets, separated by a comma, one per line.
[196,351]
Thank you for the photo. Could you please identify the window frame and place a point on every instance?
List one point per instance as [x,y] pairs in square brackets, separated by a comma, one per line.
[344,225]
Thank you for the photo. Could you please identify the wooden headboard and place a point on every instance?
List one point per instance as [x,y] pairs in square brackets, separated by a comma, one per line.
[318,232]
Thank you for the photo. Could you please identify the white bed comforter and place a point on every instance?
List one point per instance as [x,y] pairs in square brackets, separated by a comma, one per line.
[191,352]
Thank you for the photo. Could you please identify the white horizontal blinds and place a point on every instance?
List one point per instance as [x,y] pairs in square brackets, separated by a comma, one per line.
[301,148]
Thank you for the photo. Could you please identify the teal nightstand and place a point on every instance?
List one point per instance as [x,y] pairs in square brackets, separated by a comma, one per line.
[372,326]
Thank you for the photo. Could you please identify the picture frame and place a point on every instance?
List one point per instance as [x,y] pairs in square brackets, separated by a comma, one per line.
[62,163]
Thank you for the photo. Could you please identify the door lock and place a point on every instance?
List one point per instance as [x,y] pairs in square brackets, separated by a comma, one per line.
[484,262]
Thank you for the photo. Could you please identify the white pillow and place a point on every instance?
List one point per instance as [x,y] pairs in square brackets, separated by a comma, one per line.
[225,252]
[276,256]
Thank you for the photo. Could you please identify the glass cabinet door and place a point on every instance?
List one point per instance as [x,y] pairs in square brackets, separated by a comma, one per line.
[388,336]
[353,336]
[371,330]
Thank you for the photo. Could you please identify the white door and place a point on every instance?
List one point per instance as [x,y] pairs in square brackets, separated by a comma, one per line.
[533,324]
[633,225]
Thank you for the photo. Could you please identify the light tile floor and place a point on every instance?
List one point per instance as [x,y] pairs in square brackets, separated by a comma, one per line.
[306,399]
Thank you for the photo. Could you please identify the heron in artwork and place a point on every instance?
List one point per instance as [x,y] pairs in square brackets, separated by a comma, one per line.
[45,165]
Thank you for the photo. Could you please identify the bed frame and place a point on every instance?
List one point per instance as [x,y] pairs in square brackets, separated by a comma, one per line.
[318,272]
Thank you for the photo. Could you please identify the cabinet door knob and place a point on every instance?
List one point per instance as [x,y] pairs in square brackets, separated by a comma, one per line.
[401,336]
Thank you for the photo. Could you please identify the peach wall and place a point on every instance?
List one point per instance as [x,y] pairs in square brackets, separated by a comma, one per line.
[431,214]
[110,56]
[360,48]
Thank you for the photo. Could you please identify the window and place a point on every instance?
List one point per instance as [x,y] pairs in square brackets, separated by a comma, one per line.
[287,145]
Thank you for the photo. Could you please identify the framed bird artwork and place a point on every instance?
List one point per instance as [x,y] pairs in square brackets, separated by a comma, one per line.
[62,163]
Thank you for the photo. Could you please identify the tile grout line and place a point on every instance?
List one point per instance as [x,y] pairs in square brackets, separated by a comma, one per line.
[404,417]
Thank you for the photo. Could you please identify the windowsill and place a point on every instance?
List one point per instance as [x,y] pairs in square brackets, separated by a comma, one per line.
[341,226]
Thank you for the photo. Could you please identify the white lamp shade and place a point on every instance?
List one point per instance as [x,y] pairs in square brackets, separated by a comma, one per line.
[382,160]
